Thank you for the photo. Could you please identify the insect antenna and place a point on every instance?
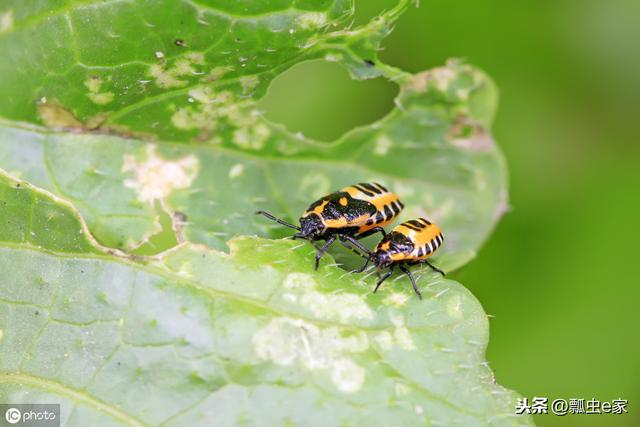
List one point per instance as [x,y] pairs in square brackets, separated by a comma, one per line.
[278,220]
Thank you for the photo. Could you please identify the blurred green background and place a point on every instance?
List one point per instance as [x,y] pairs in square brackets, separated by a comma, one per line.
[559,274]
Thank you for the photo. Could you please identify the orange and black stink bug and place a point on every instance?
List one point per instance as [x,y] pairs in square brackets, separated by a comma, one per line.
[352,213]
[409,243]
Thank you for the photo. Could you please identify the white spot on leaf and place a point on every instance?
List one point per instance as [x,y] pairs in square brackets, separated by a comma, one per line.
[312,20]
[236,171]
[6,21]
[154,178]
[403,338]
[285,341]
[440,77]
[400,335]
[382,145]
[164,78]
[397,299]
[249,83]
[342,307]
[168,77]
[347,376]
[94,83]
[217,73]
[195,57]
[299,281]
[384,340]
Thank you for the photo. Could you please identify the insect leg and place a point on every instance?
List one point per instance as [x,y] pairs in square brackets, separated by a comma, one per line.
[345,240]
[323,249]
[278,220]
[373,230]
[348,246]
[383,278]
[357,244]
[364,267]
[406,271]
[432,266]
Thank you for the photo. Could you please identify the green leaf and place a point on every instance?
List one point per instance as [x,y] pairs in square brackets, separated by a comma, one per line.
[215,159]
[133,155]
[256,336]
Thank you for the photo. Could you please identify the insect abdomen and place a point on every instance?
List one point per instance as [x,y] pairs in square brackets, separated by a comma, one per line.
[428,248]
[387,204]
[425,236]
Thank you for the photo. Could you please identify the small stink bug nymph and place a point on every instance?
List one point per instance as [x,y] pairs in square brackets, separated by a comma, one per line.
[409,243]
[352,213]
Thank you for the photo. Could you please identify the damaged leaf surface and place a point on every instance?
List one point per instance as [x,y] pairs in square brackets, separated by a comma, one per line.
[123,121]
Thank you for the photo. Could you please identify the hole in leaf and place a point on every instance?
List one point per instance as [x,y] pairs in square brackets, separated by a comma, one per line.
[159,242]
[320,100]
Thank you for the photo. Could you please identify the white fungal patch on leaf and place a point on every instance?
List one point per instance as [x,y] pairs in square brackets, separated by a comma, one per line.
[236,170]
[403,338]
[208,110]
[164,78]
[343,307]
[384,340]
[347,376]
[396,299]
[249,83]
[183,67]
[94,83]
[204,115]
[311,20]
[195,57]
[382,145]
[286,341]
[299,281]
[154,178]
[6,21]
[398,336]
[440,78]
[168,77]
[217,73]
[252,136]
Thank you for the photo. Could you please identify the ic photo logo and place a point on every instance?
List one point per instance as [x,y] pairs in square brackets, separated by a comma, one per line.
[30,414]
[13,415]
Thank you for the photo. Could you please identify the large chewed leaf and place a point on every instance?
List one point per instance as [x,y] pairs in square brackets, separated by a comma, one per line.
[124,122]
[150,107]
[255,337]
